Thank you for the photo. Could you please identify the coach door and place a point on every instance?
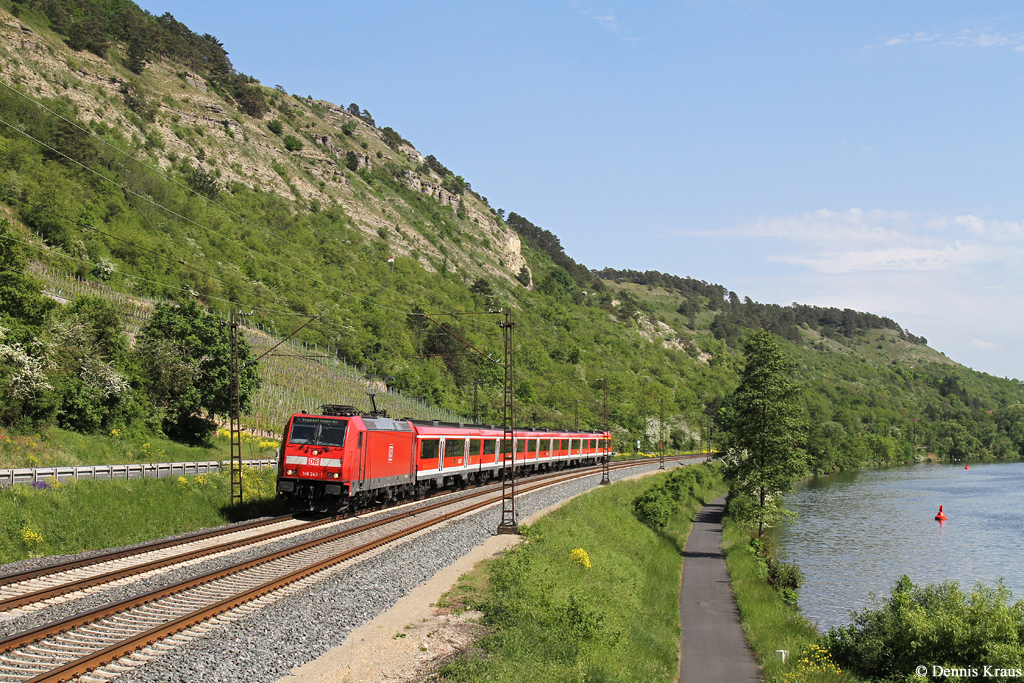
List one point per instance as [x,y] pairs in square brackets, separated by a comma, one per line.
[361,447]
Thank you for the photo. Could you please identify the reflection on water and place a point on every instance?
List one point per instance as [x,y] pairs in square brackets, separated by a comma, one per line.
[858,532]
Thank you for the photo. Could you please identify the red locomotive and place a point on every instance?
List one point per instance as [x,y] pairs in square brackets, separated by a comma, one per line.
[343,458]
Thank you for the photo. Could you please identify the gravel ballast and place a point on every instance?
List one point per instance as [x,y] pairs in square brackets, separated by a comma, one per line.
[268,643]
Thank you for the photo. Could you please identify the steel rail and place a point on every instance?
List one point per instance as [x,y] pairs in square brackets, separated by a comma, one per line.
[111,576]
[125,648]
[47,593]
[28,638]
[135,550]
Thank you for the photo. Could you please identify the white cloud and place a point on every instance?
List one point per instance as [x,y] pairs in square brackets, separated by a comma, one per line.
[984,345]
[825,226]
[858,240]
[951,278]
[900,259]
[946,277]
[605,18]
[966,38]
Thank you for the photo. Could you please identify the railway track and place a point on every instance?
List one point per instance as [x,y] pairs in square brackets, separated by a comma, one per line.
[91,641]
[40,588]
[37,588]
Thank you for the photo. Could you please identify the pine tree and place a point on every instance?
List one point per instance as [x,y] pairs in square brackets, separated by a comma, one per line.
[135,59]
[763,417]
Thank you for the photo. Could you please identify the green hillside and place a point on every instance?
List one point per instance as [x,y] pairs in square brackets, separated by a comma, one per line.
[134,156]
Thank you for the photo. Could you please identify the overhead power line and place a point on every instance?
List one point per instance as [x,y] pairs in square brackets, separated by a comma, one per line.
[155,282]
[132,193]
[159,171]
[203,227]
[156,169]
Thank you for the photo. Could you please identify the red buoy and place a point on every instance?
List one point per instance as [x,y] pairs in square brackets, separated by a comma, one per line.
[967,467]
[940,517]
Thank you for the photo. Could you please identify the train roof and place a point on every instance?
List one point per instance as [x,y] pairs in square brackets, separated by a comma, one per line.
[386,424]
[437,427]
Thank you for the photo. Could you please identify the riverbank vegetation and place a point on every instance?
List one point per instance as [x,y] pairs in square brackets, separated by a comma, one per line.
[52,518]
[593,593]
[976,634]
[770,618]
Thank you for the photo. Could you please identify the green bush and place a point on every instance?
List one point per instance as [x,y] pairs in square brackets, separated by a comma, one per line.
[784,577]
[657,505]
[292,143]
[275,126]
[935,625]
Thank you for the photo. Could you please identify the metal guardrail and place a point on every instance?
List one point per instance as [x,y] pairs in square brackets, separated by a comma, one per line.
[148,470]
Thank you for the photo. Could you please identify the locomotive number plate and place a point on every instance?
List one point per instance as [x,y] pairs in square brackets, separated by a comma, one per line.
[391,452]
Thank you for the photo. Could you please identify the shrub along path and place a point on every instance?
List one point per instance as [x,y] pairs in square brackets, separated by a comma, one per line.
[713,647]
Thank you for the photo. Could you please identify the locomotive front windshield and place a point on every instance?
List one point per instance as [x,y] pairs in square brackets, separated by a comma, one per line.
[317,431]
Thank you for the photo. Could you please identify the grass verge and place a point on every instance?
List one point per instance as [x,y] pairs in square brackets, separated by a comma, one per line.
[61,448]
[770,624]
[592,595]
[58,519]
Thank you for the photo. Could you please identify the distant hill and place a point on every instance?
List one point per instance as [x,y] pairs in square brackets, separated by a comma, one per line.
[136,156]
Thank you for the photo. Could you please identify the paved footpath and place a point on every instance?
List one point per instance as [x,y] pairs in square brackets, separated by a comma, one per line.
[713,649]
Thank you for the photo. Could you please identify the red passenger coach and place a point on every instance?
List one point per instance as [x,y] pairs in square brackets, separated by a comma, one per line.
[342,458]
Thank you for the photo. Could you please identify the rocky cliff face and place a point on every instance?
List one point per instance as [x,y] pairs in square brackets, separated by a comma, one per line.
[175,119]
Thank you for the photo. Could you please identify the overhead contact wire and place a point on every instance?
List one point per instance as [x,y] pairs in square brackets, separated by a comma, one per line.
[155,169]
[203,227]
[188,220]
[155,282]
[160,172]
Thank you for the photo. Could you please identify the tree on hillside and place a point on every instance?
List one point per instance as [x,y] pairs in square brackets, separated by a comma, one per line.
[94,369]
[25,387]
[186,358]
[763,418]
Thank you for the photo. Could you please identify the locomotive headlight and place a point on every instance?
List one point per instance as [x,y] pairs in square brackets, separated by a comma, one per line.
[334,475]
[291,472]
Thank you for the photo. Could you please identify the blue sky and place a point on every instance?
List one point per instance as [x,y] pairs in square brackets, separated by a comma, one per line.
[857,154]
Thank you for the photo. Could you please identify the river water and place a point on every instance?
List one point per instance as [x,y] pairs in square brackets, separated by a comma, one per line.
[858,532]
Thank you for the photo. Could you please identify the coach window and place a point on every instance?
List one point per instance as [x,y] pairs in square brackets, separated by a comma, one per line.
[474,447]
[532,448]
[506,446]
[576,445]
[489,448]
[545,446]
[454,448]
[429,449]
[565,444]
[520,446]
[593,443]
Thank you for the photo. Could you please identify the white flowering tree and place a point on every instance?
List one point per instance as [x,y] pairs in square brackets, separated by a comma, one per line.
[90,353]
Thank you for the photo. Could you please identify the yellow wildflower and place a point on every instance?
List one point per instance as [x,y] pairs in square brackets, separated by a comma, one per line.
[30,536]
[580,557]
